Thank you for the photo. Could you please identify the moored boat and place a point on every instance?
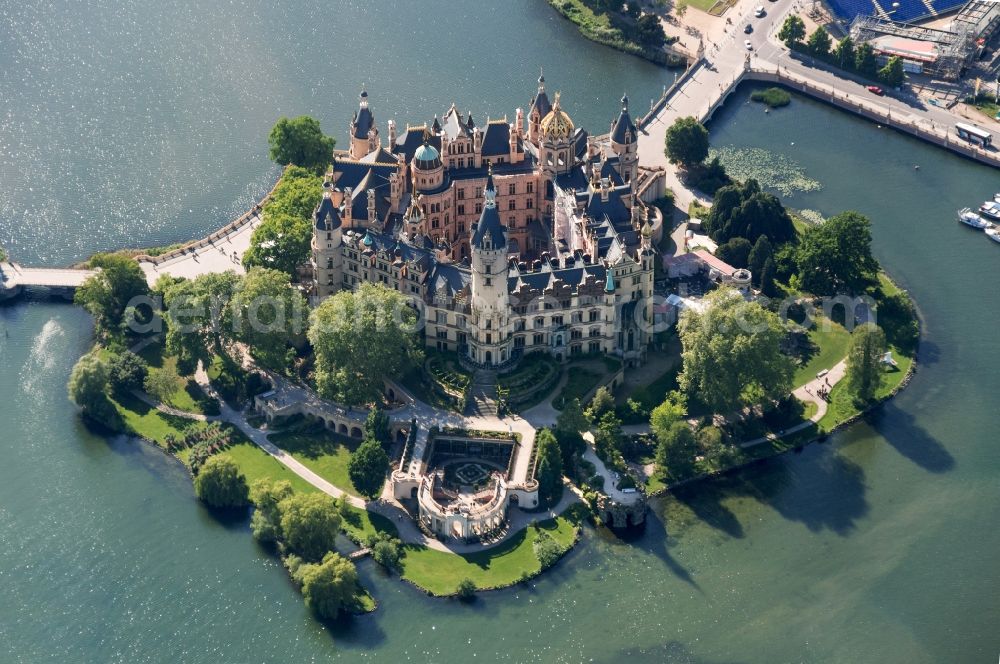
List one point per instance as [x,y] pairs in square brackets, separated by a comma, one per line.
[990,210]
[993,233]
[970,218]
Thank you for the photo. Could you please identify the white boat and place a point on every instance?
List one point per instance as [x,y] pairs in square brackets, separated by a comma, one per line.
[993,234]
[990,210]
[970,218]
[996,197]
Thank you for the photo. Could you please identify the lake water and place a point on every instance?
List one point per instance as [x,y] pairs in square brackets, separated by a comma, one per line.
[138,120]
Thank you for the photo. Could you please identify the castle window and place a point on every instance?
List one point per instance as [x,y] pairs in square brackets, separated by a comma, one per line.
[461,227]
[329,236]
[479,192]
[512,204]
[539,322]
[519,325]
[489,323]
[575,334]
[512,222]
[557,321]
[635,281]
[442,333]
[531,188]
[539,339]
[594,315]
[461,209]
[489,282]
[519,342]
[441,317]
[489,338]
[479,208]
[489,269]
[461,162]
[512,188]
[595,331]
[435,222]
[461,194]
[595,346]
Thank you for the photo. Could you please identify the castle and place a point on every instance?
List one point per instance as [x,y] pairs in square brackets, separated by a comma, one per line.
[513,237]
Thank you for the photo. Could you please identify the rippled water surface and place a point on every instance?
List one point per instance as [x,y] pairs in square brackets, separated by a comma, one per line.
[135,122]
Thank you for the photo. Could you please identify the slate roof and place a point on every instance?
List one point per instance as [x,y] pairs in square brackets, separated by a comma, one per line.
[496,140]
[448,278]
[363,119]
[453,127]
[623,131]
[326,216]
[489,225]
[547,276]
[408,142]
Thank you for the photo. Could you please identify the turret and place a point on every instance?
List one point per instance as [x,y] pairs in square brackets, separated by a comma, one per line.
[364,133]
[326,246]
[624,143]
[537,110]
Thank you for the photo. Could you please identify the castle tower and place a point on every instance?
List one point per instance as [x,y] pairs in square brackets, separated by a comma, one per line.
[364,133]
[327,254]
[490,340]
[624,144]
[538,109]
[556,141]
[427,169]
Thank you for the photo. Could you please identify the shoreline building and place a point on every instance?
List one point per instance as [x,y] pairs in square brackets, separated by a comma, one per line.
[514,237]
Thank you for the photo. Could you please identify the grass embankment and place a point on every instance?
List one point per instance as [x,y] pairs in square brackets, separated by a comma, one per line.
[830,342]
[609,29]
[439,573]
[325,453]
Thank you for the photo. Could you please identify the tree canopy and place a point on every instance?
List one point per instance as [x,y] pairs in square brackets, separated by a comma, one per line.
[377,427]
[731,353]
[819,42]
[88,382]
[267,313]
[667,414]
[843,53]
[329,587]
[864,59]
[300,141]
[865,373]
[735,251]
[548,467]
[266,496]
[310,523]
[892,74]
[127,371]
[197,316]
[686,142]
[281,242]
[220,483]
[367,467]
[835,257]
[361,338]
[743,210]
[792,31]
[107,294]
[676,447]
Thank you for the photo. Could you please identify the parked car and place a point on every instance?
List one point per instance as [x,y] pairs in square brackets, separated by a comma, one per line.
[748,45]
[748,29]
[875,90]
[759,12]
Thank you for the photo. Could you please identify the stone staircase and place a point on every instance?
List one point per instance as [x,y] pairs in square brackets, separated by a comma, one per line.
[483,394]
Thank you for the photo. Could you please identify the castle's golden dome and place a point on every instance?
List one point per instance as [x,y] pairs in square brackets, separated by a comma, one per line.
[556,123]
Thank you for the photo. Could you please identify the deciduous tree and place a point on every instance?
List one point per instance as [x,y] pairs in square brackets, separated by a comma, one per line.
[367,468]
[361,338]
[835,257]
[300,141]
[106,294]
[281,242]
[310,523]
[266,496]
[329,587]
[892,73]
[88,383]
[731,353]
[843,53]
[676,448]
[819,42]
[267,313]
[864,59]
[219,483]
[686,142]
[792,31]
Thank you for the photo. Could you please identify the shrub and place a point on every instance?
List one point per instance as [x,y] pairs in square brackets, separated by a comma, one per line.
[467,589]
[773,97]
[127,371]
[547,550]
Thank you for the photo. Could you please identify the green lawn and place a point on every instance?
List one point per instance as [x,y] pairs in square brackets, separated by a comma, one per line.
[258,464]
[144,420]
[831,342]
[440,573]
[359,524]
[579,382]
[842,406]
[188,397]
[325,453]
